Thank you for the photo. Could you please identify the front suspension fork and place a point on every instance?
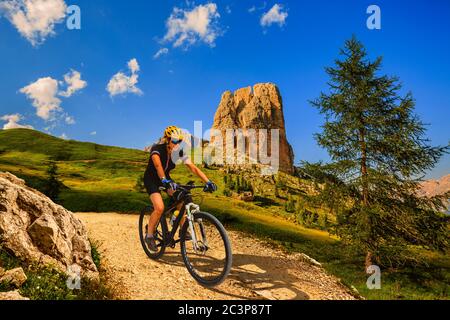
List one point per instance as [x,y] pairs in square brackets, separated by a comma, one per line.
[191,209]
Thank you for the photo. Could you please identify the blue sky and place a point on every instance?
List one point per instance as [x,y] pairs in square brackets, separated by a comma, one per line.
[186,84]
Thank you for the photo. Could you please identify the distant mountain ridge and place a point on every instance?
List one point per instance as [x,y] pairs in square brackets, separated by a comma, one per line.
[432,188]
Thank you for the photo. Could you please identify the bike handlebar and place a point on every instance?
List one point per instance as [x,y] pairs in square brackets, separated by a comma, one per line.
[184,187]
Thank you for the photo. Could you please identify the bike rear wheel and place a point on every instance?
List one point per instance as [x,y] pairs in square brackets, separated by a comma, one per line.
[159,234]
[210,262]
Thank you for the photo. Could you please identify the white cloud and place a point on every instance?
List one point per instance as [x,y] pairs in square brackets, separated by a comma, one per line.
[276,15]
[185,28]
[134,66]
[254,8]
[74,83]
[122,84]
[160,53]
[70,120]
[34,19]
[93,133]
[43,93]
[64,136]
[12,122]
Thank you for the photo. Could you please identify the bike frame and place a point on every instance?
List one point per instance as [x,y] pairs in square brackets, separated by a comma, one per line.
[189,209]
[195,223]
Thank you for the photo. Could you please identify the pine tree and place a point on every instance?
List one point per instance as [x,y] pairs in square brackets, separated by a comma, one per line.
[280,183]
[300,205]
[379,156]
[230,183]
[323,221]
[277,192]
[53,185]
[290,205]
[236,186]
[251,188]
[305,216]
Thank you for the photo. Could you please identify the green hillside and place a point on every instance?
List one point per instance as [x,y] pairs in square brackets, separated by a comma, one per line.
[95,177]
[103,179]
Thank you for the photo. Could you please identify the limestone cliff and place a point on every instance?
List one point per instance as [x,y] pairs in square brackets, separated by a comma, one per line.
[260,107]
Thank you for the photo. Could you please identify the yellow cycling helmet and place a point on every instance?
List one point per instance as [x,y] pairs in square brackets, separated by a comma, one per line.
[173,133]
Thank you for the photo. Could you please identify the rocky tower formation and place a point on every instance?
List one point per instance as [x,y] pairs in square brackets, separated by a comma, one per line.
[37,230]
[260,107]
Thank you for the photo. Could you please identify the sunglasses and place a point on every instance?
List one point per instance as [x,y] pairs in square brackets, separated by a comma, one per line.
[176,142]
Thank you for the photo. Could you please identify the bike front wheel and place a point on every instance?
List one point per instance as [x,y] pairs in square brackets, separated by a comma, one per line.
[209,258]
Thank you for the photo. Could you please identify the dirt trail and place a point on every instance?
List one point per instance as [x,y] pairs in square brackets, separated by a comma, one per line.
[259,271]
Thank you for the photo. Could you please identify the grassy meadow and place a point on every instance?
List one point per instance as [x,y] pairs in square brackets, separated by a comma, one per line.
[103,179]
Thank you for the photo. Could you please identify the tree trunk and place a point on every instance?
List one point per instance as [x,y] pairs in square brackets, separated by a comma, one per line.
[365,191]
[364,171]
[369,259]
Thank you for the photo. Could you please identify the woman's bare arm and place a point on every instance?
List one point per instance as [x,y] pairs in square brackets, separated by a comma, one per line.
[158,165]
[195,170]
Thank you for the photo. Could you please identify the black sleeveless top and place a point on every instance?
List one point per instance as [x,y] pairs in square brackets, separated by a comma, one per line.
[168,162]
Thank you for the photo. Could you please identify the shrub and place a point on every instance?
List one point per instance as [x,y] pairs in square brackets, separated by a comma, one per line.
[227,192]
[46,283]
[290,205]
[324,222]
[96,257]
[140,187]
[281,184]
[62,155]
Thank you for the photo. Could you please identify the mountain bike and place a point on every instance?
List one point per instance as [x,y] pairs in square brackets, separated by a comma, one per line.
[205,246]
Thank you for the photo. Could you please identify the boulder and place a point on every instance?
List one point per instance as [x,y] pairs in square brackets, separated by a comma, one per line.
[36,230]
[11,296]
[15,277]
[247,197]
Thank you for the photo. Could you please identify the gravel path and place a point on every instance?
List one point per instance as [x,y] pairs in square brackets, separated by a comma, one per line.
[259,271]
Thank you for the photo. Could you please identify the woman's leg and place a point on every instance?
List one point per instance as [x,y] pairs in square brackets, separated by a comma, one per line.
[158,210]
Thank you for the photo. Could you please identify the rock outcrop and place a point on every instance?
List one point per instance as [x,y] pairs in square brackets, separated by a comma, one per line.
[36,230]
[15,277]
[12,296]
[260,107]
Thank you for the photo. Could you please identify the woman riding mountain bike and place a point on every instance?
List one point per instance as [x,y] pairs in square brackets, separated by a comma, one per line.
[163,159]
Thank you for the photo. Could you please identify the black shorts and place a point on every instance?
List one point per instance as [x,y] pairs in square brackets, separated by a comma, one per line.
[152,185]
